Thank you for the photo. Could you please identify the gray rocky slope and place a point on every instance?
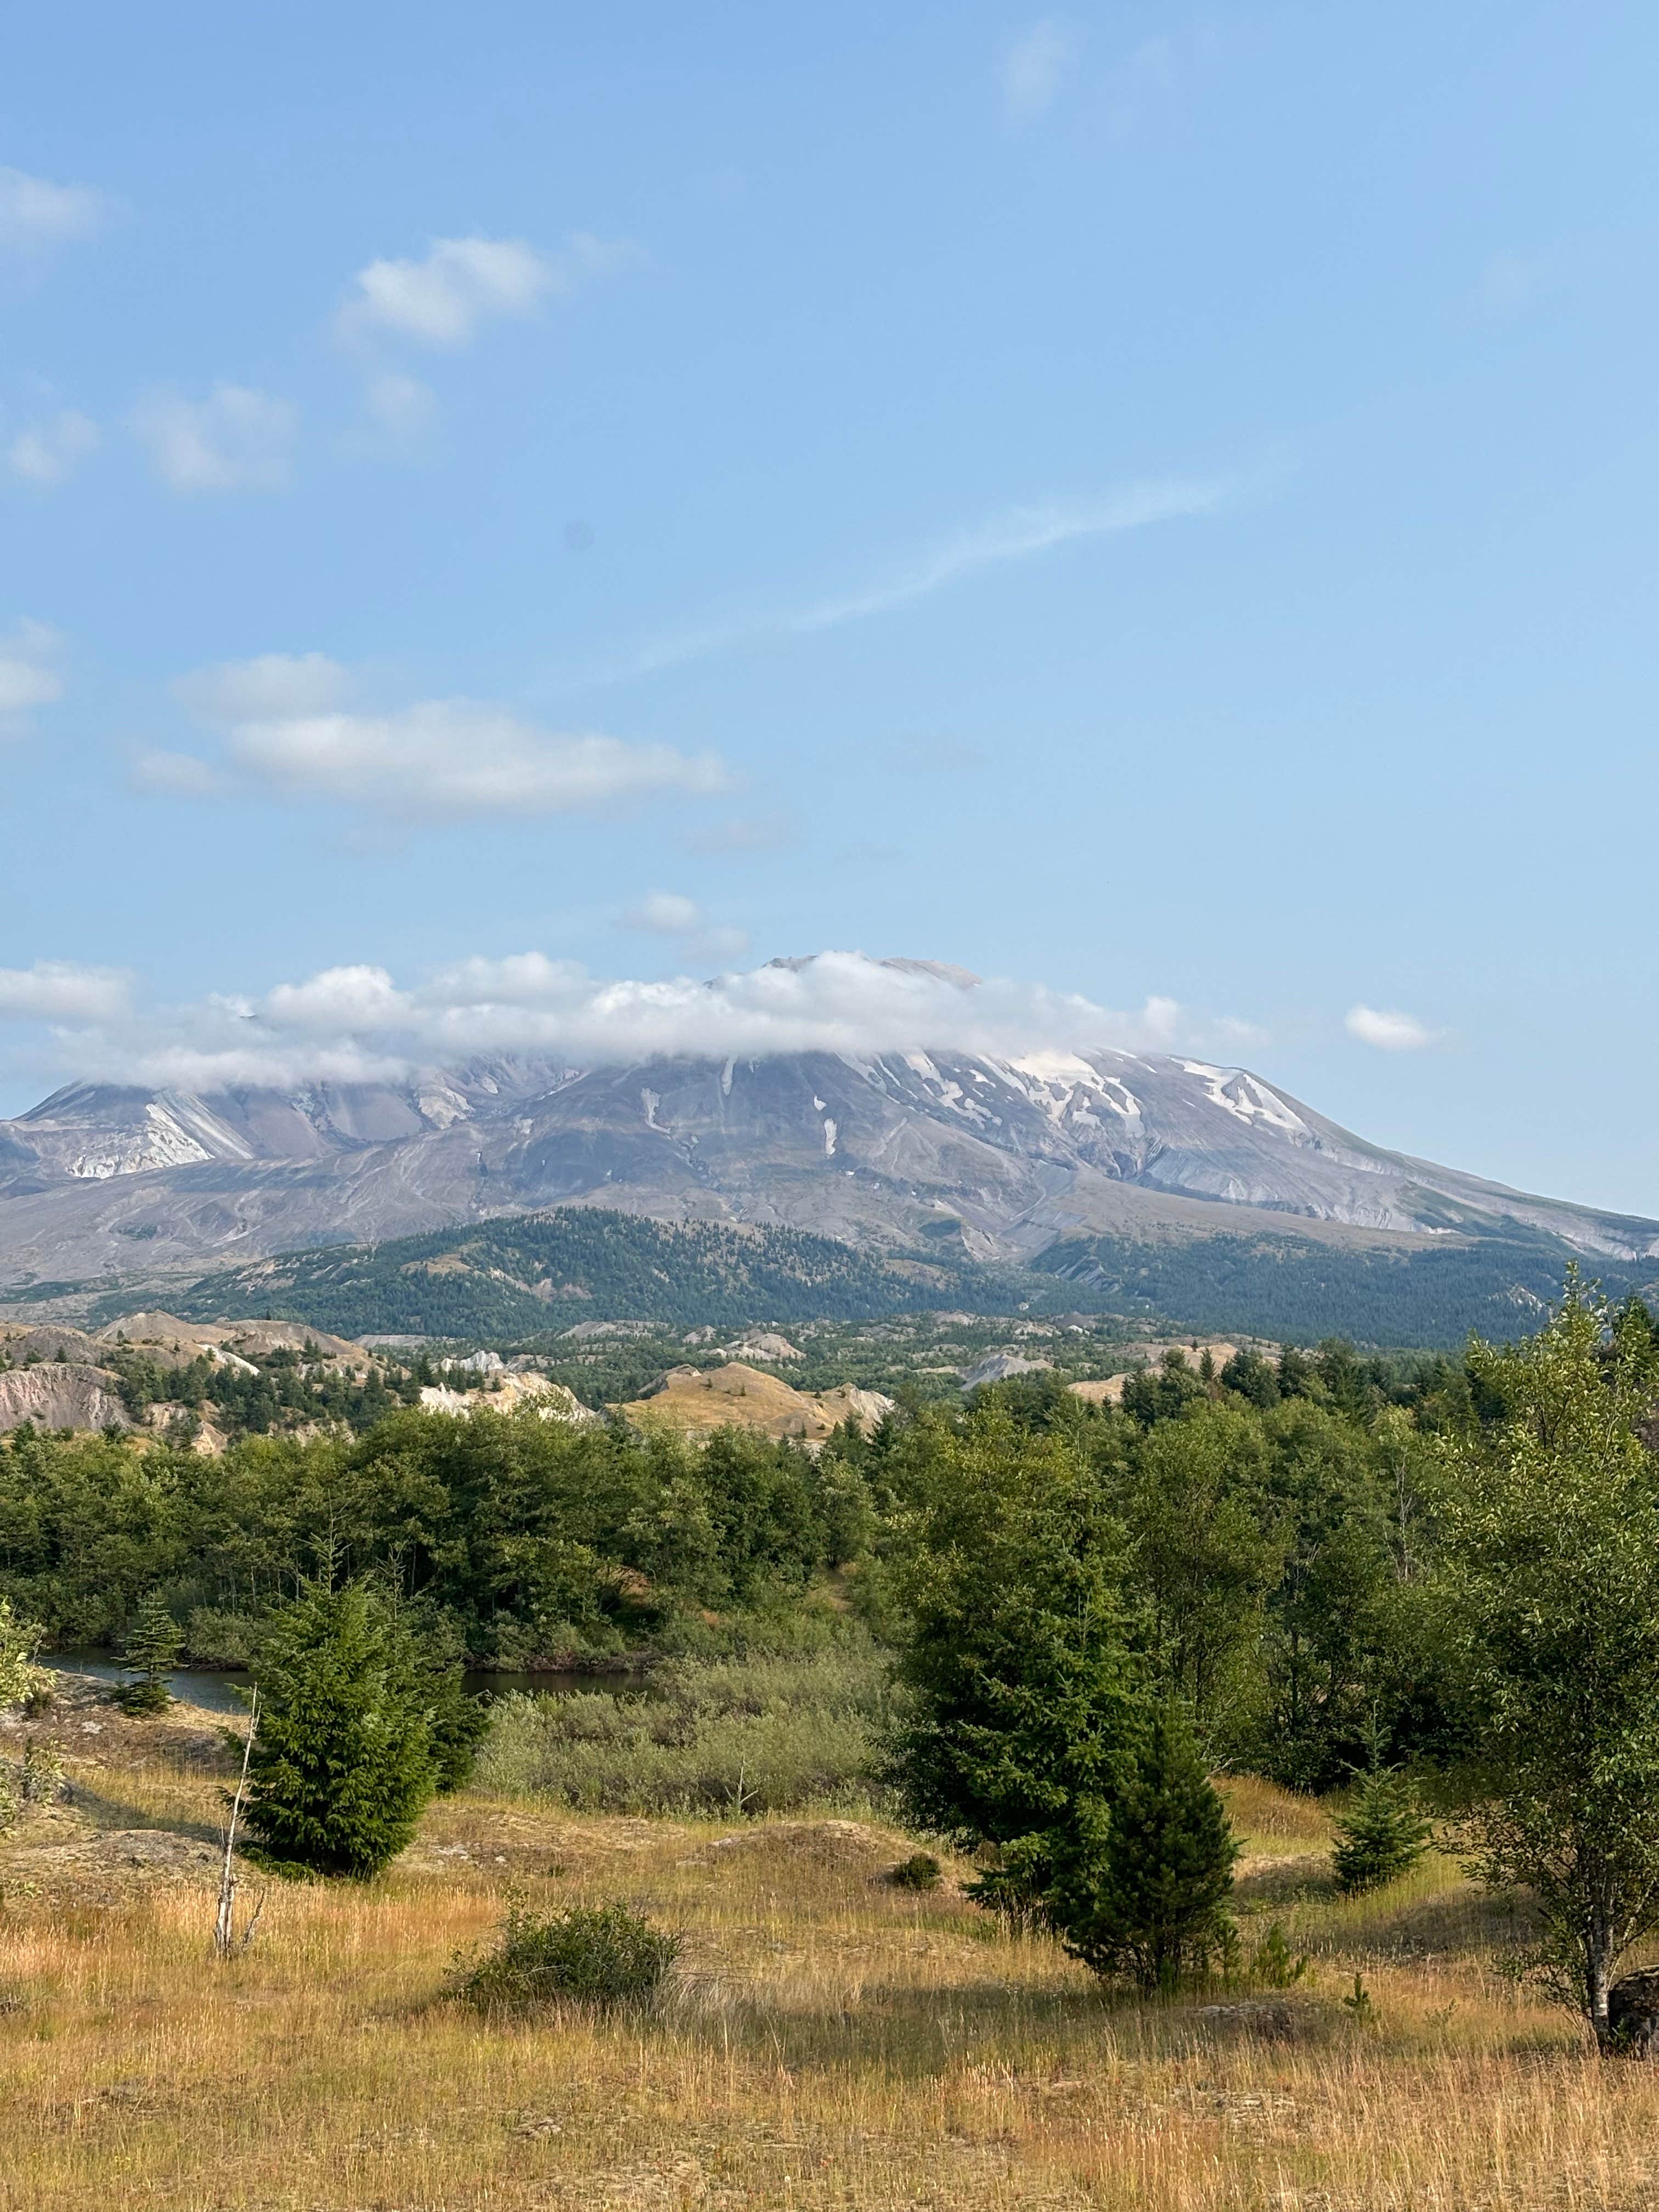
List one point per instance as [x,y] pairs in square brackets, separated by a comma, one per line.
[998,1158]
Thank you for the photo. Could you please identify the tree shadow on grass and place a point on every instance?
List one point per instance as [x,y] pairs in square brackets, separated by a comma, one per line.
[1304,1878]
[108,1813]
[907,2033]
[1461,1922]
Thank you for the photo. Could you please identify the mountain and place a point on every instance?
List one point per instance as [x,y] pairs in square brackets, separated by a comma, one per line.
[1108,1170]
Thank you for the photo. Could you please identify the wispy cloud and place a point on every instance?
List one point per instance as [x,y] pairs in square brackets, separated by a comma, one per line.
[269,688]
[946,756]
[402,409]
[1018,535]
[666,913]
[36,214]
[1036,66]
[1388,1031]
[179,776]
[49,451]
[29,673]
[235,440]
[750,833]
[670,913]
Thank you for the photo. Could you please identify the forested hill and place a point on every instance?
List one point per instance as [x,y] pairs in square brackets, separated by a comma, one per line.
[1294,1290]
[525,1274]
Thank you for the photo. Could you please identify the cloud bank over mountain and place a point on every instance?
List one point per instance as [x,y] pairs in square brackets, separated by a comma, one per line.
[358,1022]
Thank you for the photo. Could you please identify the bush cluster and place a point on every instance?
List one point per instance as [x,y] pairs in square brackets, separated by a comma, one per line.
[762,1735]
[602,1957]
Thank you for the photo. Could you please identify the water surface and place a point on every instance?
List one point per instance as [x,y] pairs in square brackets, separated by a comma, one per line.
[223,1689]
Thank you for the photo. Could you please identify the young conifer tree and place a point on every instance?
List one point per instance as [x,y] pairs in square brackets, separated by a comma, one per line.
[344,1758]
[1143,1892]
[153,1646]
[1382,1835]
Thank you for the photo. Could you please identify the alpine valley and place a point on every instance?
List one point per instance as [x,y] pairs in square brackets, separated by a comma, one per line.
[1141,1183]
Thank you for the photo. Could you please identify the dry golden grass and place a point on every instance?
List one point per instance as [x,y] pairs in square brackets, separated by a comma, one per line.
[834,2042]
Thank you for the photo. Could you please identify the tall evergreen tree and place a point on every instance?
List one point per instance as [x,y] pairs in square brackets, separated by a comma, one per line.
[1021,1691]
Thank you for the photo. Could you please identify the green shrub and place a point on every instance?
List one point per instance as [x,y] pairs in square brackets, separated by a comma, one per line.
[761,1734]
[221,1639]
[919,1871]
[141,1698]
[1382,1835]
[601,1956]
[21,1680]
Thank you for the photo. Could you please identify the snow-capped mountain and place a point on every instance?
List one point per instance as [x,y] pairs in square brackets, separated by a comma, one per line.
[996,1158]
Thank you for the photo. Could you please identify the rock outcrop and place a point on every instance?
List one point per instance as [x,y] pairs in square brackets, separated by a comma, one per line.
[552,1401]
[61,1395]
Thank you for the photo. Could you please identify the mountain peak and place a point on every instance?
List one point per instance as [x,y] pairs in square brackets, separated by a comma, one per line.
[944,971]
[948,1151]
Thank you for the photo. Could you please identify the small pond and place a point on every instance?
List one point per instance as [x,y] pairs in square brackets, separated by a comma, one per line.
[215,1689]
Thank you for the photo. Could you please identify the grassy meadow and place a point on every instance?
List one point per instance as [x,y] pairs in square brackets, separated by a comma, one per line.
[830,2041]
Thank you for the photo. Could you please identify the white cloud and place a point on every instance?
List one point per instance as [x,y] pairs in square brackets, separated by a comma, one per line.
[351,1001]
[1388,1033]
[667,913]
[235,440]
[358,1022]
[1036,66]
[63,991]
[445,300]
[35,214]
[288,728]
[47,452]
[449,756]
[264,689]
[462,282]
[28,676]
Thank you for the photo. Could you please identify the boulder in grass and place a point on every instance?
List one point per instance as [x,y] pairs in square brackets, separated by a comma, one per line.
[1633,2014]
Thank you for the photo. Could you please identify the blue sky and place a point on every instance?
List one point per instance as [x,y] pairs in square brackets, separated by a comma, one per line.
[1155,504]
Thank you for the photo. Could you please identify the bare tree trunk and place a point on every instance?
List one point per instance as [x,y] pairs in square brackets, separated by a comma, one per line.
[224,1928]
[1598,1978]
